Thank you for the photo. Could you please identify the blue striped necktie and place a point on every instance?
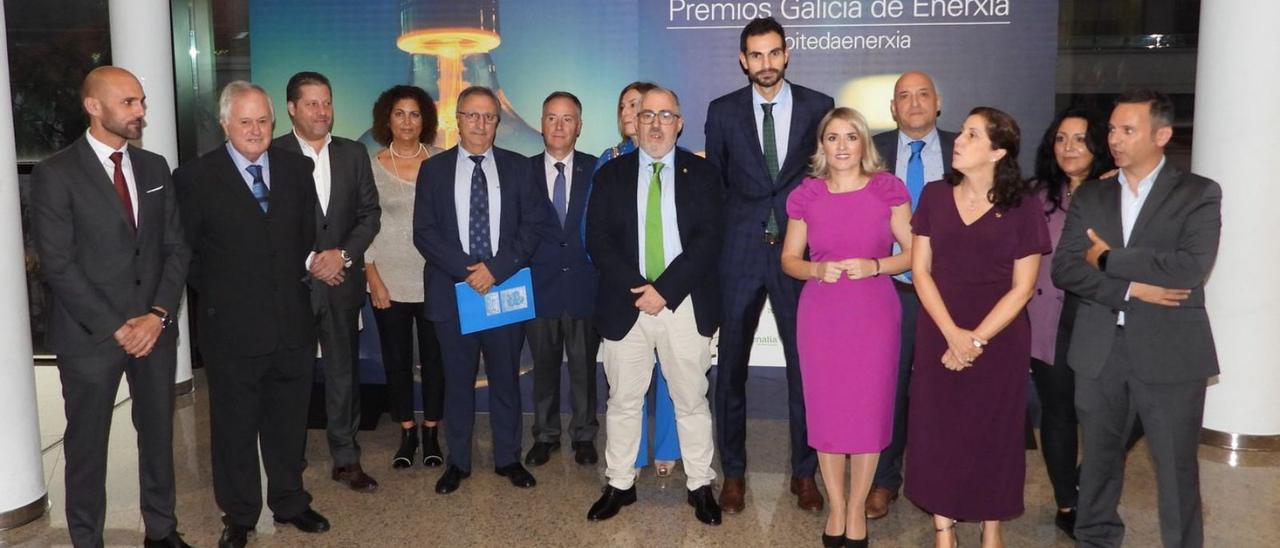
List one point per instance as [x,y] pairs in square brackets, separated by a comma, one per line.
[259,187]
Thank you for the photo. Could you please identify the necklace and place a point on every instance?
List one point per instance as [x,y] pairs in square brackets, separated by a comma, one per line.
[395,166]
[970,199]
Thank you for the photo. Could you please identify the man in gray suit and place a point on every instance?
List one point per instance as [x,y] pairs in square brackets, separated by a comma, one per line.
[106,226]
[347,218]
[1138,248]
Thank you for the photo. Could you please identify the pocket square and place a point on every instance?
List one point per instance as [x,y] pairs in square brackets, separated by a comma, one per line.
[154,189]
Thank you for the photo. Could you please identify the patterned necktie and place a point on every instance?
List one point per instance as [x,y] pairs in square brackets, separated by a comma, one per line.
[122,190]
[654,257]
[558,192]
[480,247]
[259,187]
[915,172]
[770,162]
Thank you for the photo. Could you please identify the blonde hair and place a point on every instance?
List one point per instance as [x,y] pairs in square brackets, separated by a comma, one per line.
[871,162]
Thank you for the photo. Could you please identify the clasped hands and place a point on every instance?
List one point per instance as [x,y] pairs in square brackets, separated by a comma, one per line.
[480,278]
[855,269]
[650,302]
[1148,293]
[328,266]
[963,347]
[137,337]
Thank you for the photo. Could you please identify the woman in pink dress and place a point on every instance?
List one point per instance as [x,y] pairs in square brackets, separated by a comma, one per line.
[848,215]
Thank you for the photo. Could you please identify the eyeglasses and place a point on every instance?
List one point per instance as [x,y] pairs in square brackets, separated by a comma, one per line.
[664,117]
[473,117]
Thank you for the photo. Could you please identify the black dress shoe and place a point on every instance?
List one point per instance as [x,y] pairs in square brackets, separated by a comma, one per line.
[234,536]
[540,453]
[174,540]
[1066,522]
[309,521]
[451,480]
[518,475]
[610,502]
[704,505]
[584,452]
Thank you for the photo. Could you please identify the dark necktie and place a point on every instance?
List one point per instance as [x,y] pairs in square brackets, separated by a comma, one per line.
[479,216]
[558,193]
[770,162]
[122,189]
[259,186]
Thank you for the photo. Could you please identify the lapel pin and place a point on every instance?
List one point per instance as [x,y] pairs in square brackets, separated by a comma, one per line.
[999,215]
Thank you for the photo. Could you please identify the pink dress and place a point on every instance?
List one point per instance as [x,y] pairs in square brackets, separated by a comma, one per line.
[847,332]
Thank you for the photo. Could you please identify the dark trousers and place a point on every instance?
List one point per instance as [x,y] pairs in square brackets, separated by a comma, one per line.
[501,348]
[338,332]
[550,341]
[889,468]
[259,402]
[396,328]
[1059,435]
[1171,415]
[742,303]
[89,385]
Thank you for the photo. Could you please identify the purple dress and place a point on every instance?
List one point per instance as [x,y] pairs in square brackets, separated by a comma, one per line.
[847,332]
[965,440]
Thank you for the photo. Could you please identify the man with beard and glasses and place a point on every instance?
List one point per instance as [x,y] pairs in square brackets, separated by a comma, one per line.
[759,139]
[106,225]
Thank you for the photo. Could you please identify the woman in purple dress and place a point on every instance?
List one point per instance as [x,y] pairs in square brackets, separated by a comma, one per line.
[975,257]
[848,214]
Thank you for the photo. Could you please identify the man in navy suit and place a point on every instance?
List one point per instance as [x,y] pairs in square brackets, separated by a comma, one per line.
[759,138]
[564,283]
[653,229]
[477,218]
[917,152]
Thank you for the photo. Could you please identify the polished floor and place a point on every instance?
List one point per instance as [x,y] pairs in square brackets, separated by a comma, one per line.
[1241,498]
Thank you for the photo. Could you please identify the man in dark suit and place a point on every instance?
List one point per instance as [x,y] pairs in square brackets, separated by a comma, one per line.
[105,218]
[1138,249]
[564,283]
[347,218]
[477,218]
[917,152]
[654,231]
[249,216]
[760,138]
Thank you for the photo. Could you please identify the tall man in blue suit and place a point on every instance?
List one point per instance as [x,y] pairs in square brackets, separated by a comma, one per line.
[564,283]
[759,138]
[477,218]
[917,152]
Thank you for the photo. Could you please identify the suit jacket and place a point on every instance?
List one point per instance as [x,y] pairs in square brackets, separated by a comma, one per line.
[614,245]
[887,145]
[527,219]
[100,271]
[564,280]
[248,267]
[1173,244]
[733,148]
[353,219]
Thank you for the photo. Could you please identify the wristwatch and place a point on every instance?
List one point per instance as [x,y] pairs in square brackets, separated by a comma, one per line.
[165,320]
[346,259]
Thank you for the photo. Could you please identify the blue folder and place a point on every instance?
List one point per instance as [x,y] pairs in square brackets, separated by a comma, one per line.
[506,303]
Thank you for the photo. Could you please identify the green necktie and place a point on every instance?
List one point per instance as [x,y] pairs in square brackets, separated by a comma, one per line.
[770,162]
[654,258]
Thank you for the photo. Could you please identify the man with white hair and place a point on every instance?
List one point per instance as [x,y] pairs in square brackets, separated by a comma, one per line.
[249,217]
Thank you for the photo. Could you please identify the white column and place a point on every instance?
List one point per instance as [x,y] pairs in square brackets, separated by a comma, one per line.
[1235,144]
[142,43]
[22,491]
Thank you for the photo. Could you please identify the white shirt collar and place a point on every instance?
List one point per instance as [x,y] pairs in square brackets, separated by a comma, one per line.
[306,147]
[101,149]
[783,96]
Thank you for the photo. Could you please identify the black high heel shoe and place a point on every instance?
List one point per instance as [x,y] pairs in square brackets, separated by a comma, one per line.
[408,447]
[832,541]
[431,455]
[858,543]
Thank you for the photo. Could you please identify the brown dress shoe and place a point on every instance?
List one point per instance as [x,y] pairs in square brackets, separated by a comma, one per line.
[731,495]
[807,495]
[353,476]
[878,501]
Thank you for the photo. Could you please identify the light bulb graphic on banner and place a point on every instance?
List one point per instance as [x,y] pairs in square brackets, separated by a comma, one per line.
[450,41]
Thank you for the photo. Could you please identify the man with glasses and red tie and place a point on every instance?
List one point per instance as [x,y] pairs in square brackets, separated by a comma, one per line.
[478,218]
[654,232]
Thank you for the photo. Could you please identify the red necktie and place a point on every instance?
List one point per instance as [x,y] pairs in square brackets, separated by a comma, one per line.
[122,190]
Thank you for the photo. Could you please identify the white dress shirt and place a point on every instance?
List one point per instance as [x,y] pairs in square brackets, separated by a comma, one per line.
[550,166]
[781,119]
[103,153]
[671,247]
[322,174]
[1131,206]
[462,197]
